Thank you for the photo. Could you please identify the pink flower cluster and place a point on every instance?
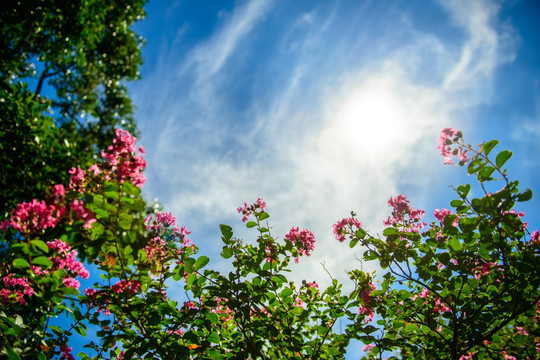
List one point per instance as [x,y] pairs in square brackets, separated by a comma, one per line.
[368,348]
[158,250]
[77,207]
[442,214]
[341,228]
[15,288]
[34,216]
[76,181]
[450,136]
[66,352]
[125,286]
[304,240]
[66,259]
[365,309]
[247,210]
[93,301]
[535,238]
[484,269]
[124,160]
[438,306]
[404,215]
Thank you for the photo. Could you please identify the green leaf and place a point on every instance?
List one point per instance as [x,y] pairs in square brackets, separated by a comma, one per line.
[502,157]
[191,279]
[42,260]
[12,355]
[411,327]
[475,166]
[390,231]
[201,262]
[226,231]
[525,196]
[279,279]
[251,224]
[454,244]
[263,216]
[112,195]
[20,263]
[463,190]
[487,147]
[227,252]
[485,173]
[125,220]
[41,245]
[456,203]
[285,293]
[213,338]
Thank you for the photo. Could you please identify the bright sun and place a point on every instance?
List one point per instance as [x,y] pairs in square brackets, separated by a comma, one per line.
[372,120]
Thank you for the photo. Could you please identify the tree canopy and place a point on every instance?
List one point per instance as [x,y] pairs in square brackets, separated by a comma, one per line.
[63,68]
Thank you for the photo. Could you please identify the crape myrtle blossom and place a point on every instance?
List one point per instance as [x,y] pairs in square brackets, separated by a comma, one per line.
[124,160]
[366,309]
[438,307]
[160,249]
[535,238]
[246,210]
[368,348]
[77,207]
[33,217]
[303,240]
[122,164]
[340,228]
[449,137]
[66,352]
[126,286]
[66,259]
[15,289]
[442,214]
[404,215]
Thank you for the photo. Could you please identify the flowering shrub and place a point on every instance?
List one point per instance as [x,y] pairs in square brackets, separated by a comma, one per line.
[463,287]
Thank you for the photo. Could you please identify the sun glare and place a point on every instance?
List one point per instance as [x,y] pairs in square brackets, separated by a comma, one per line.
[371,120]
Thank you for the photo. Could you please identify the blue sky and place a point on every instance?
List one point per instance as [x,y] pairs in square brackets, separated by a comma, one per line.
[323,107]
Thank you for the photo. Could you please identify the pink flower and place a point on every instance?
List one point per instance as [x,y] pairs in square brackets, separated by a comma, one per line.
[58,191]
[122,159]
[506,356]
[83,213]
[261,204]
[404,215]
[468,356]
[368,347]
[366,294]
[67,259]
[246,210]
[66,352]
[442,214]
[340,228]
[77,179]
[366,311]
[70,282]
[34,216]
[448,137]
[303,240]
[440,307]
[15,289]
[124,286]
[535,237]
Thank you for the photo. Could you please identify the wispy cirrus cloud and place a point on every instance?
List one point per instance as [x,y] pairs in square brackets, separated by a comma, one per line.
[340,112]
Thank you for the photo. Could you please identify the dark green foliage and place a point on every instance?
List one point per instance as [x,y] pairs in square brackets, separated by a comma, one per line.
[63,67]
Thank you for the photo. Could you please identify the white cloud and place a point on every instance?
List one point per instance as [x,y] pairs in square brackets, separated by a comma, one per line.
[335,139]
